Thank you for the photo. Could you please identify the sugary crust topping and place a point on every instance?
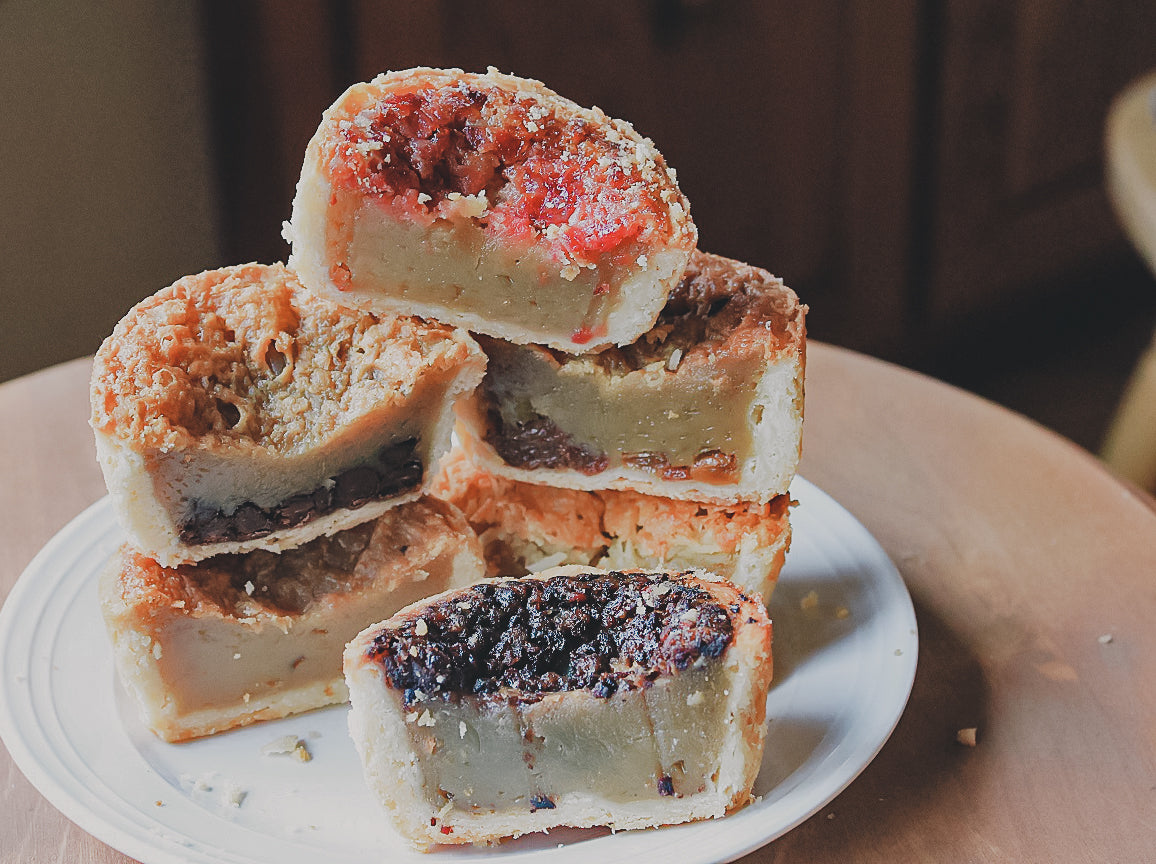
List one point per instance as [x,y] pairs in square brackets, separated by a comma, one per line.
[655,523]
[246,355]
[589,520]
[570,629]
[264,584]
[720,307]
[523,161]
[524,509]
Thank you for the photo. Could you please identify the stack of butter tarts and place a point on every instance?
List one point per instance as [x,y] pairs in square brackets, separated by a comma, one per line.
[469,249]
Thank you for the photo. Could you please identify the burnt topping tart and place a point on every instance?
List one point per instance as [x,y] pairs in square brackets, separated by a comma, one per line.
[588,631]
[236,409]
[705,396]
[576,697]
[554,210]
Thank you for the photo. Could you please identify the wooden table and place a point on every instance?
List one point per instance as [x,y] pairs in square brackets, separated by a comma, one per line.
[1033,574]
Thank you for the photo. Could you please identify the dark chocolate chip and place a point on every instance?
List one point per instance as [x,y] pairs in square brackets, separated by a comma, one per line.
[251,521]
[355,487]
[296,511]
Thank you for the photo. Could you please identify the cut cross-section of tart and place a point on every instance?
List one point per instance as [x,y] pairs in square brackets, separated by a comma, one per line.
[525,527]
[707,406]
[577,697]
[489,202]
[241,638]
[236,410]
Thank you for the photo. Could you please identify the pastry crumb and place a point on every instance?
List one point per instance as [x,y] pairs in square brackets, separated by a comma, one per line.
[288,745]
[810,600]
[233,795]
[1105,639]
[966,736]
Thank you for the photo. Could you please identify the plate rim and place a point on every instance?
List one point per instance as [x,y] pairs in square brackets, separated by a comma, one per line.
[76,802]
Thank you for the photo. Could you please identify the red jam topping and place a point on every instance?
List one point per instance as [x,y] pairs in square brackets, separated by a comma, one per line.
[540,173]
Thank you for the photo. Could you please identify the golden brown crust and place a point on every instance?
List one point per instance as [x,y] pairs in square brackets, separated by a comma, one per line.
[573,517]
[246,356]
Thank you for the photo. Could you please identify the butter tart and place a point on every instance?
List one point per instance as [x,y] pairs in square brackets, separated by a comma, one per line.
[527,528]
[235,410]
[236,639]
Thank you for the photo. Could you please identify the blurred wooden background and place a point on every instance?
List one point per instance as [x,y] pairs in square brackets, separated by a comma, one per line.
[928,175]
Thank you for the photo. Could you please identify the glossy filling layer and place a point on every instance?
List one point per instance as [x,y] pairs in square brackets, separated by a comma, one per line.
[452,266]
[483,754]
[543,411]
[396,469]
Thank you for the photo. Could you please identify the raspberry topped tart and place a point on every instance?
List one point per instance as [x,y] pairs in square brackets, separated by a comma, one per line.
[577,697]
[706,406]
[489,202]
[236,410]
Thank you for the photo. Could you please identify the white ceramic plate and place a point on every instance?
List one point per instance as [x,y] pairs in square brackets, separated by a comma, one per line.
[842,679]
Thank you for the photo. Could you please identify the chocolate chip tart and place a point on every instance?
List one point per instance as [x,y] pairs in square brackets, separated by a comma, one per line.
[577,697]
[238,639]
[236,410]
[489,202]
[706,406]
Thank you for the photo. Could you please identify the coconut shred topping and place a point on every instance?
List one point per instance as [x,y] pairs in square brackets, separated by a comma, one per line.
[587,631]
